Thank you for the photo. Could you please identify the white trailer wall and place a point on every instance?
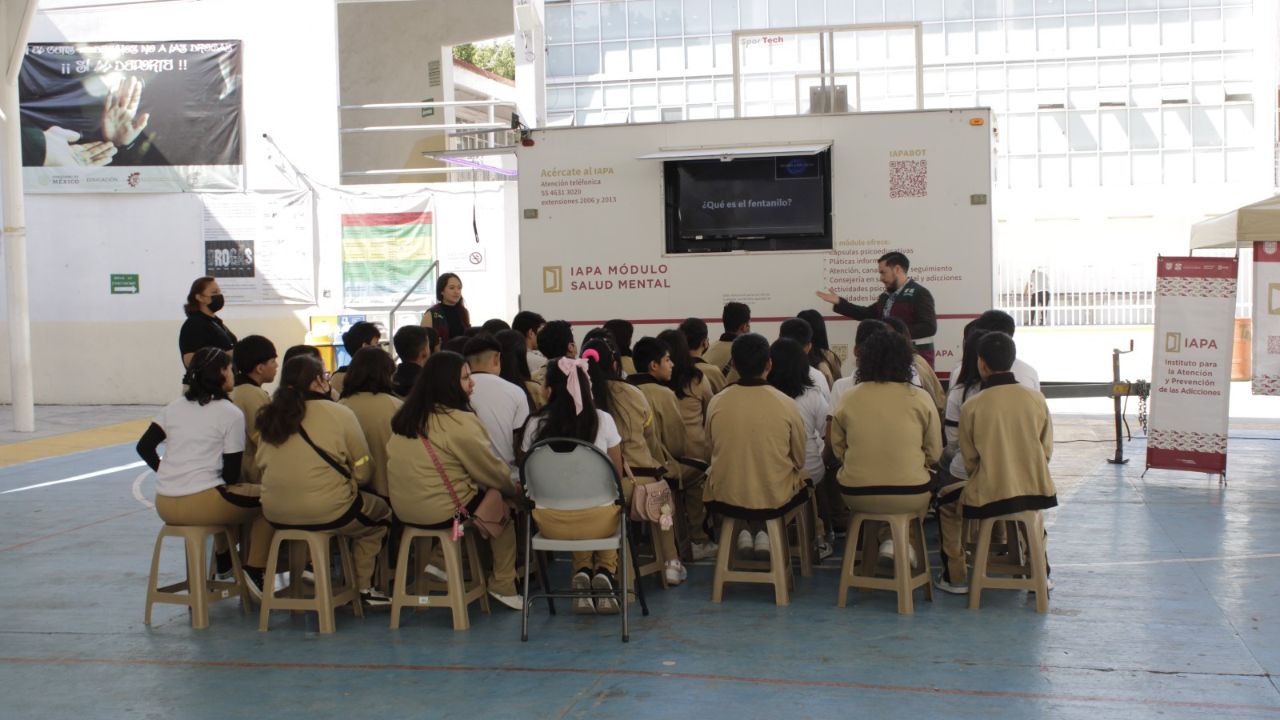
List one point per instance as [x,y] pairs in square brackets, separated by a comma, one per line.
[90,346]
[596,248]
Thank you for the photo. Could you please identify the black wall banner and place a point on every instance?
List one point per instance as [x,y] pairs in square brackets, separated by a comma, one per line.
[132,117]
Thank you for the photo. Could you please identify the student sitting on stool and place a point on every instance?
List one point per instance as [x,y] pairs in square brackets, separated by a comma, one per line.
[1006,437]
[757,441]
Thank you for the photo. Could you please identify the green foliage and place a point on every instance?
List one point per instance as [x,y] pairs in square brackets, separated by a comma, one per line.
[496,57]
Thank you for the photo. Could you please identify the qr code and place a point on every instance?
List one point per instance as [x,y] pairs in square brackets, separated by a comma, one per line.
[1273,344]
[908,178]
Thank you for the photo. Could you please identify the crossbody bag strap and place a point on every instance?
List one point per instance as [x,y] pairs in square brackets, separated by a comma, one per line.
[459,509]
[324,455]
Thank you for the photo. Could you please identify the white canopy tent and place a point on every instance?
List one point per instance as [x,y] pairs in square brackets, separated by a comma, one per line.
[1258,222]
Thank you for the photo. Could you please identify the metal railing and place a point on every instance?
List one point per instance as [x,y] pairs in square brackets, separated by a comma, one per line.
[494,125]
[1112,294]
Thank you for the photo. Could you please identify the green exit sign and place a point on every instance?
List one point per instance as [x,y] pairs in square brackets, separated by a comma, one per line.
[124,284]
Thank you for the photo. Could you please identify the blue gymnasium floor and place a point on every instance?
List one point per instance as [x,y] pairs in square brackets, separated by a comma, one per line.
[1167,605]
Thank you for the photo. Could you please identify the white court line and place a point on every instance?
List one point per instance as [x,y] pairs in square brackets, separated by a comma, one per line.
[86,476]
[1170,561]
[137,489]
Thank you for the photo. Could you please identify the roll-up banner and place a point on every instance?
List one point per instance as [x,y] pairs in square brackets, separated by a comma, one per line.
[131,117]
[1195,310]
[1266,318]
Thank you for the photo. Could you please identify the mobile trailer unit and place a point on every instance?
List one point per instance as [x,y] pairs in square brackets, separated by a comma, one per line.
[657,222]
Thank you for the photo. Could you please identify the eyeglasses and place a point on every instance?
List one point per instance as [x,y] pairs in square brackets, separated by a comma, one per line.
[326,375]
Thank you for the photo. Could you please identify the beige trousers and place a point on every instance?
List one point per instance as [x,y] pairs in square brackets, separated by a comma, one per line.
[233,505]
[588,524]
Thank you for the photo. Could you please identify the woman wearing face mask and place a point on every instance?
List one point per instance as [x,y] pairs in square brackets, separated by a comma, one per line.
[448,317]
[203,327]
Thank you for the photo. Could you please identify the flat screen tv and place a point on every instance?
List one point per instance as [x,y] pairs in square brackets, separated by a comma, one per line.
[780,202]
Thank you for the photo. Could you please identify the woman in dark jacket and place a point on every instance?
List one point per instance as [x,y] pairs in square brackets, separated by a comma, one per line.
[448,317]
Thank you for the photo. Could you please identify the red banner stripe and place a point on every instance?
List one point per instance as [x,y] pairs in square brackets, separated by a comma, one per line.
[373,219]
[1160,458]
[1197,267]
[1260,253]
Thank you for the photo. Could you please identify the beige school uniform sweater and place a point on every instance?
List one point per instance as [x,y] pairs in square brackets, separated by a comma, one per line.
[719,354]
[250,398]
[1006,437]
[715,378]
[418,494]
[693,412]
[929,381]
[634,418]
[374,411]
[757,441]
[669,431]
[299,487]
[887,435]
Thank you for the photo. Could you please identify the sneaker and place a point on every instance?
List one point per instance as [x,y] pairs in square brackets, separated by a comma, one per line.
[222,563]
[253,580]
[762,545]
[515,602]
[437,573]
[947,586]
[886,553]
[825,550]
[603,583]
[703,550]
[581,582]
[674,572]
[745,544]
[374,598]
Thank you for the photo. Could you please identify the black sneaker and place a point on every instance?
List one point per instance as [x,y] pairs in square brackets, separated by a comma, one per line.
[374,598]
[222,563]
[253,579]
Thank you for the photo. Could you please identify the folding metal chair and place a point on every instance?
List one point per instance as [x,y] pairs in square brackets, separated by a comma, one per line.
[568,474]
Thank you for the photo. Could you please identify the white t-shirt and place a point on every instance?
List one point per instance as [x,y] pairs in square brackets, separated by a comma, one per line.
[957,396]
[814,409]
[502,409]
[606,432]
[1026,375]
[842,386]
[820,383]
[196,438]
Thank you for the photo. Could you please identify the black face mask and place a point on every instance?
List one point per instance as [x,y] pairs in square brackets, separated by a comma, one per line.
[216,302]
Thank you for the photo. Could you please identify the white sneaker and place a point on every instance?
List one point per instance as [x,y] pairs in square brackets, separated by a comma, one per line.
[675,572]
[374,598]
[603,583]
[437,573]
[515,602]
[762,545]
[949,587]
[581,582]
[703,551]
[886,553]
[745,545]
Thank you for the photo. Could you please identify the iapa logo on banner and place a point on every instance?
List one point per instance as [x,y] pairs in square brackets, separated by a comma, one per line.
[1173,342]
[552,279]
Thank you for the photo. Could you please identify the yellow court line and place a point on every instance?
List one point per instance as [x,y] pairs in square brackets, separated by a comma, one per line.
[72,442]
